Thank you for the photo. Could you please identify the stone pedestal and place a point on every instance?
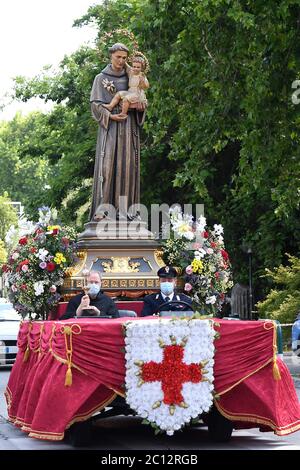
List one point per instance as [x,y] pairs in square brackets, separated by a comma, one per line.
[124,252]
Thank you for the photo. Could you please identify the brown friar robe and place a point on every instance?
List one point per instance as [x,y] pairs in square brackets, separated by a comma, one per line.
[117,163]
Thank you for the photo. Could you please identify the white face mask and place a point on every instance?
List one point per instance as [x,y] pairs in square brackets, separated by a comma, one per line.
[94,288]
[167,288]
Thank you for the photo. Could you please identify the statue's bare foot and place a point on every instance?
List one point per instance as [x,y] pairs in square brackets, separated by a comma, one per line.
[100,216]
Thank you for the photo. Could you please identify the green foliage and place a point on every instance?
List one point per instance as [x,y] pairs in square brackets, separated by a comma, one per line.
[8,217]
[283,303]
[27,144]
[3,253]
[221,128]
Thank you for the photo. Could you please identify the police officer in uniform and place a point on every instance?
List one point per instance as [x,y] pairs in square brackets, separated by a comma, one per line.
[167,276]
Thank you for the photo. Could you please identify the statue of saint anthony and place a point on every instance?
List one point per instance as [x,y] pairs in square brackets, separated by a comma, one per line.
[117,163]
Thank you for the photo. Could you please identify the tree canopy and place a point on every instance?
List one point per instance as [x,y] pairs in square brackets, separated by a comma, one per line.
[8,217]
[221,127]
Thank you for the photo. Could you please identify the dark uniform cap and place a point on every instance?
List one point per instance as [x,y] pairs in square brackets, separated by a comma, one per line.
[167,271]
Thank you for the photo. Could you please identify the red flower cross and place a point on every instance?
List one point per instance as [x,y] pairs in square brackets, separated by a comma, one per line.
[172,372]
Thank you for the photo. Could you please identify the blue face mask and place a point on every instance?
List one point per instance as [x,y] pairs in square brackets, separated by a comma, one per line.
[167,288]
[93,289]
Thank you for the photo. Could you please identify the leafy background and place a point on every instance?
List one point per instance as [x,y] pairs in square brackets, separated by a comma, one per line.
[221,127]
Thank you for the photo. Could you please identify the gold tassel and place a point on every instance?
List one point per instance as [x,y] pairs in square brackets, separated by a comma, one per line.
[26,354]
[276,371]
[68,379]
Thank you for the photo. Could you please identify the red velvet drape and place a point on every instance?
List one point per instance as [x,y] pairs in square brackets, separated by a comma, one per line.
[42,403]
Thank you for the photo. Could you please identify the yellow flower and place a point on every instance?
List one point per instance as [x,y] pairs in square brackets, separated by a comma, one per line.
[53,227]
[183,228]
[59,258]
[197,266]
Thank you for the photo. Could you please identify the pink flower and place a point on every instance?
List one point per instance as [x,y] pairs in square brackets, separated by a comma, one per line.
[189,270]
[188,287]
[196,246]
[25,268]
[43,265]
[65,241]
[52,289]
[13,288]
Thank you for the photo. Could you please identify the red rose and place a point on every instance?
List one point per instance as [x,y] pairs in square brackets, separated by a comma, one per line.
[55,231]
[225,255]
[23,241]
[23,286]
[50,267]
[205,234]
[213,244]
[5,268]
[217,275]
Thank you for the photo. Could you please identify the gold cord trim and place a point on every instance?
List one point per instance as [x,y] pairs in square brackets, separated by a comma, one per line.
[246,377]
[59,436]
[280,431]
[64,361]
[68,331]
[84,417]
[27,351]
[268,325]
[38,349]
[51,337]
[276,371]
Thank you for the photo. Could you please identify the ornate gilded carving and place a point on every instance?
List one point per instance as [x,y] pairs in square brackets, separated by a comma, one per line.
[120,265]
[158,258]
[74,270]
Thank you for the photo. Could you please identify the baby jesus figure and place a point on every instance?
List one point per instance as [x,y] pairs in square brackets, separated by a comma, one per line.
[136,86]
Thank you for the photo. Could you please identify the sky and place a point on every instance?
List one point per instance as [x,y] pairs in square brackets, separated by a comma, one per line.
[35,33]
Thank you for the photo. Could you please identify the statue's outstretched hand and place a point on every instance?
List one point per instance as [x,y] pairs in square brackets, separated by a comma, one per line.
[118,117]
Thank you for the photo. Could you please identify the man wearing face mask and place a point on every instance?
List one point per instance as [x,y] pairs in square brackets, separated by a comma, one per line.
[94,303]
[167,277]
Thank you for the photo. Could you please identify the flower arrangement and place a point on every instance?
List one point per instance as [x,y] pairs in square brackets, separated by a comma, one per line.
[201,255]
[169,370]
[40,255]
